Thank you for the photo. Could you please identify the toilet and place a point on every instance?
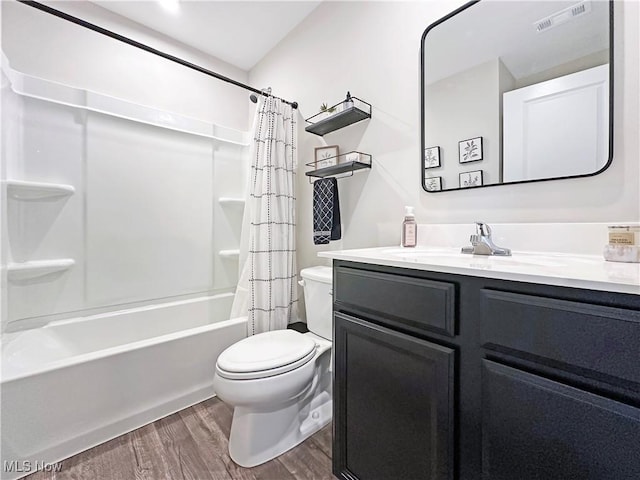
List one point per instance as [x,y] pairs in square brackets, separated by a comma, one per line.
[279,382]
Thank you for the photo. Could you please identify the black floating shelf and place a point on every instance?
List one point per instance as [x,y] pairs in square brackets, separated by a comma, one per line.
[337,169]
[341,167]
[361,110]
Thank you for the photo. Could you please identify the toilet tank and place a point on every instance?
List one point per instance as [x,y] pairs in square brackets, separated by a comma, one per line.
[318,291]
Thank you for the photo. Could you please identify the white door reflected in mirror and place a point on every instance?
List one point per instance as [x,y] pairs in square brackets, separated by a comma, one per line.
[571,113]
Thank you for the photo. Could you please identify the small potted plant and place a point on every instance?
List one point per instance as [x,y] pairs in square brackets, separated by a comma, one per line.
[326,112]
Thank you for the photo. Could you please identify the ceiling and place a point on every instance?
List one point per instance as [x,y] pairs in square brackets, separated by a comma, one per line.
[506,30]
[238,32]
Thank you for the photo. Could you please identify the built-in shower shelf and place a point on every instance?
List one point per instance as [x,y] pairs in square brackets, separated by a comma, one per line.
[23,190]
[71,96]
[38,268]
[234,253]
[234,202]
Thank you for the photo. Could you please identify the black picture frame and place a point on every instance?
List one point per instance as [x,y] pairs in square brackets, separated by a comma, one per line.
[432,157]
[433,184]
[470,150]
[470,179]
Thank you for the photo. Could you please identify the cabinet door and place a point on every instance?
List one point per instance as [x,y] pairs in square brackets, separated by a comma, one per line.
[535,428]
[393,404]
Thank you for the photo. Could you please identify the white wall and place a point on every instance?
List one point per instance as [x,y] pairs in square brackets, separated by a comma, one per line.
[463,106]
[372,49]
[40,44]
[582,63]
[3,192]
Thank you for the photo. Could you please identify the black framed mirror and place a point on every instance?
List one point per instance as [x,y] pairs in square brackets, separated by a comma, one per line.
[516,91]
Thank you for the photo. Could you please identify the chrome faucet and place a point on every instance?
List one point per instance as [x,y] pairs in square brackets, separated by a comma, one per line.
[482,244]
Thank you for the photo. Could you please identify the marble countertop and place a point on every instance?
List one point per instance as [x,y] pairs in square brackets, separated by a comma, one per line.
[577,271]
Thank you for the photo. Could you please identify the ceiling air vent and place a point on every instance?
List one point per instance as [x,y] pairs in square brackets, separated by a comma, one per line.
[562,16]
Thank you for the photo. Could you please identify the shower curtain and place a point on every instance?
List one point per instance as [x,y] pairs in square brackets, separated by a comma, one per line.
[267,292]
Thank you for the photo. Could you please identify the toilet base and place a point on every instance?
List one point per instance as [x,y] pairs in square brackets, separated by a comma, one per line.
[259,436]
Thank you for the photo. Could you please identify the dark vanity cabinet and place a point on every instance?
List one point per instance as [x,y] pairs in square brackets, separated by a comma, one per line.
[395,403]
[560,400]
[442,376]
[394,390]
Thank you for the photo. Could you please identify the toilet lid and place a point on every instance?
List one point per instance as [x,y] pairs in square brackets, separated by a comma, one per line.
[264,353]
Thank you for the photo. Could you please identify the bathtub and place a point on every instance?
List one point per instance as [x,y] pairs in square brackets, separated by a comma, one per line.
[74,384]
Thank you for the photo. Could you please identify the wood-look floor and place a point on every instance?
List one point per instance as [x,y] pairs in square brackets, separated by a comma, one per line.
[191,445]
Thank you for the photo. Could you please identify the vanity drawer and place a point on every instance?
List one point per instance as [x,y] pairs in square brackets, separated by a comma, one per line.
[601,339]
[413,303]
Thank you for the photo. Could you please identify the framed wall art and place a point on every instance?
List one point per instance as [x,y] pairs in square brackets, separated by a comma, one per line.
[433,184]
[470,150]
[471,179]
[326,156]
[431,157]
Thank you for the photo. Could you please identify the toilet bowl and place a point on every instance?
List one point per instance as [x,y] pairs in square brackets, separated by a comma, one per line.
[279,382]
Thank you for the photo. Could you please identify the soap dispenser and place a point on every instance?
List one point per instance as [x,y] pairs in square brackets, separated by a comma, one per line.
[348,102]
[409,228]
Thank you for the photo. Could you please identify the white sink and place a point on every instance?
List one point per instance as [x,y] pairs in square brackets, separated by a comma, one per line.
[428,255]
[419,252]
[415,254]
[547,268]
[523,260]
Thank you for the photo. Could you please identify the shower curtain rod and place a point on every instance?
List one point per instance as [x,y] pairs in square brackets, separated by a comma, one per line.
[146,48]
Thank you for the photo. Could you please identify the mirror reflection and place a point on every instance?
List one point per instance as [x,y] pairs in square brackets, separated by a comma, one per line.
[516,92]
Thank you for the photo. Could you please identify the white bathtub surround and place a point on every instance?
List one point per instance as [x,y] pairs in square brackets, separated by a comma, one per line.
[76,383]
[80,233]
[115,302]
[85,99]
[119,69]
[267,291]
[36,190]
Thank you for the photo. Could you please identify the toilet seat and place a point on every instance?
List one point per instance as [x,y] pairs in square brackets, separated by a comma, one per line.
[265,355]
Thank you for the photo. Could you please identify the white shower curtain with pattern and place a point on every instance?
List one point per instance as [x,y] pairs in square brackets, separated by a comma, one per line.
[267,292]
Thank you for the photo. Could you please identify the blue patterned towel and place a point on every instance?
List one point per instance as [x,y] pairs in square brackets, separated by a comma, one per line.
[326,211]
